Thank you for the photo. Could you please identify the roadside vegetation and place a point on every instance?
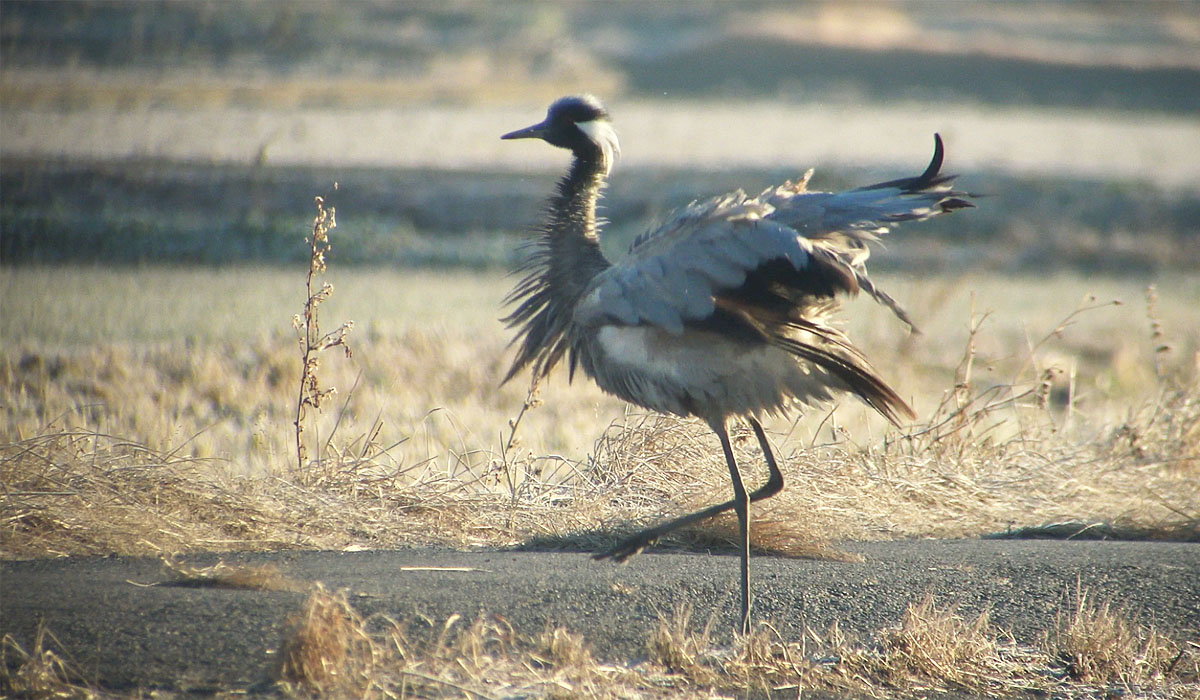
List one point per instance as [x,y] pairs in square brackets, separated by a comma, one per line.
[330,650]
[1092,416]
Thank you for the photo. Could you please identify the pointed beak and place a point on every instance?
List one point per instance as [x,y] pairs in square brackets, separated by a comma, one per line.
[536,131]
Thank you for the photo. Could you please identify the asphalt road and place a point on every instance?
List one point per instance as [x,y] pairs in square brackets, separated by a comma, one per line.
[126,636]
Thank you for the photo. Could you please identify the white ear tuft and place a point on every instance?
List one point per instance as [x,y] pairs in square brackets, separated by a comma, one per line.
[601,133]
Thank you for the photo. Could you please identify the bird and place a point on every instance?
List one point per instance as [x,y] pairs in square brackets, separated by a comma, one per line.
[723,311]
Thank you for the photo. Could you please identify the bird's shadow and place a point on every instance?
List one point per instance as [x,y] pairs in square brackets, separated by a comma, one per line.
[588,541]
[691,541]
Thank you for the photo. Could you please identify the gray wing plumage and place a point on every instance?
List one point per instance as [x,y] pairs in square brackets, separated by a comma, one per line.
[672,276]
[676,273]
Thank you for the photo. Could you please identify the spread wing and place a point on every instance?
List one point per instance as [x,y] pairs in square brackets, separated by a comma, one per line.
[769,269]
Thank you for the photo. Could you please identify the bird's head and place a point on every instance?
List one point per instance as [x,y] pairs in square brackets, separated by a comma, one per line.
[579,123]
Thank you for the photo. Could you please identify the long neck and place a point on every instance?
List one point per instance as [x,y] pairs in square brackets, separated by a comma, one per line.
[561,265]
[571,237]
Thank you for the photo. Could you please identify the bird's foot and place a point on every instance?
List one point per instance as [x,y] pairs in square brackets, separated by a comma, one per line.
[629,547]
[746,626]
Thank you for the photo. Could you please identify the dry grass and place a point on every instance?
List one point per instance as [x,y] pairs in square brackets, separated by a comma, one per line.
[679,650]
[1105,646]
[938,647]
[933,649]
[40,672]
[88,493]
[330,650]
[152,448]
[326,649]
[91,493]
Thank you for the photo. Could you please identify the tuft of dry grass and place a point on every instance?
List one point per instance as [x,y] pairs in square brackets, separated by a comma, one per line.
[935,644]
[326,649]
[40,672]
[656,465]
[932,650]
[681,651]
[1104,645]
[559,647]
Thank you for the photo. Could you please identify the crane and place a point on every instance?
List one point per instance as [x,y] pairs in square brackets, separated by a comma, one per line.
[721,312]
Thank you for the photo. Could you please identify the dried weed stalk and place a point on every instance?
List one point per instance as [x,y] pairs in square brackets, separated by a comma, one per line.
[509,461]
[1158,339]
[308,328]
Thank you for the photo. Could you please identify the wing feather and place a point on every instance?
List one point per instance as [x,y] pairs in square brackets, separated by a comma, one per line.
[673,274]
[672,277]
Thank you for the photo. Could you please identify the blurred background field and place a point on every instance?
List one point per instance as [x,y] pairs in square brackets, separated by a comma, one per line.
[158,163]
[197,132]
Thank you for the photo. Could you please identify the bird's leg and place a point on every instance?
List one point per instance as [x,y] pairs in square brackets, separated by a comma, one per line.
[741,505]
[775,481]
[639,541]
[647,537]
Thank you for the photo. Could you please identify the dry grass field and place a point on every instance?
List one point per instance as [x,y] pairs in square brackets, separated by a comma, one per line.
[173,391]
